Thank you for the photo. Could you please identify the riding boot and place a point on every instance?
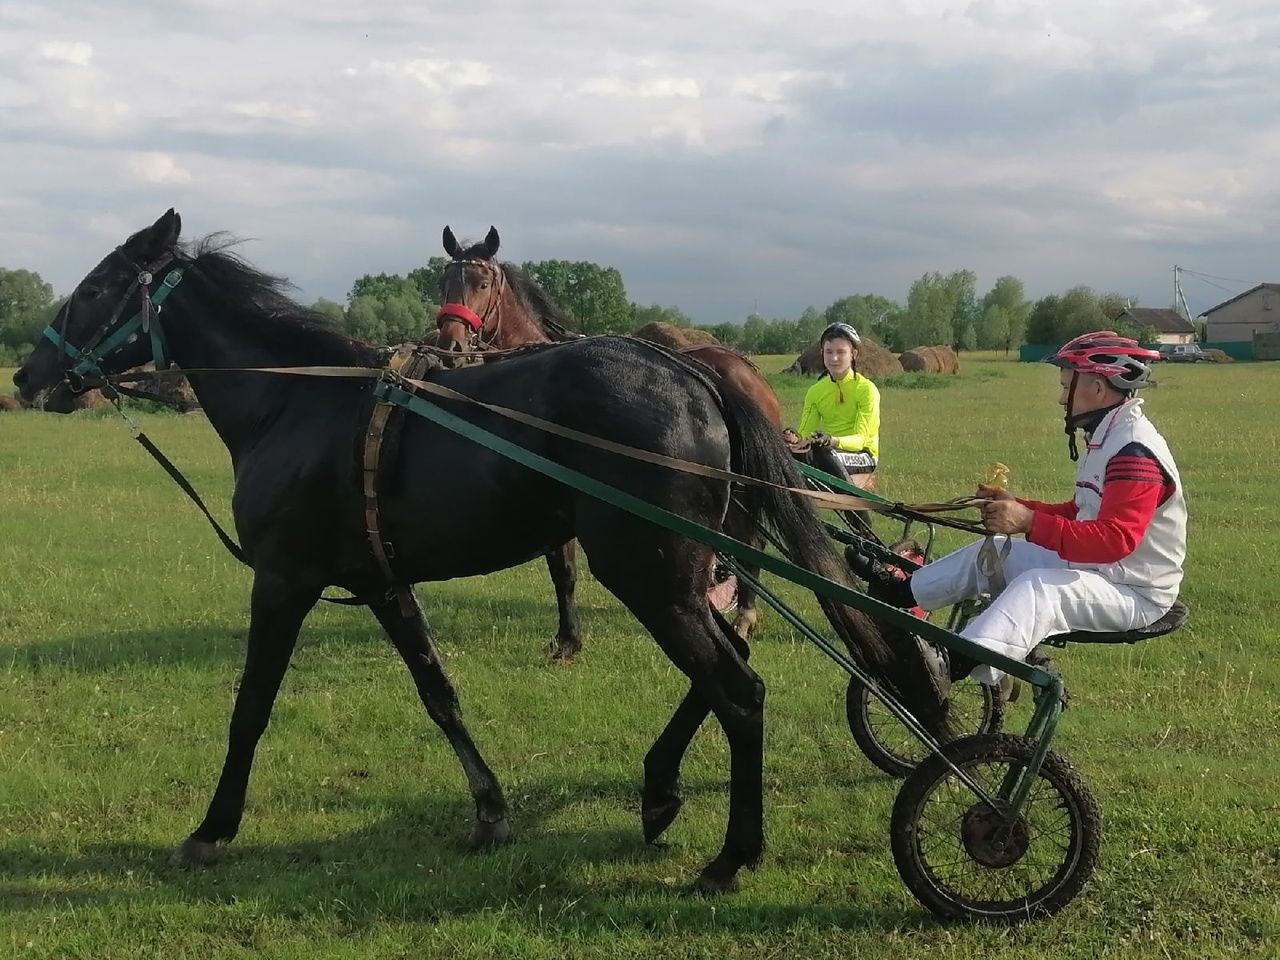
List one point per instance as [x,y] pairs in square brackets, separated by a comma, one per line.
[884,583]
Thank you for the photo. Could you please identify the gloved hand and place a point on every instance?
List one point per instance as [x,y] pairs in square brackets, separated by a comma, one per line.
[819,439]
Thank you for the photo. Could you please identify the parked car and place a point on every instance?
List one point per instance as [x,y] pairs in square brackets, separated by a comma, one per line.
[1182,353]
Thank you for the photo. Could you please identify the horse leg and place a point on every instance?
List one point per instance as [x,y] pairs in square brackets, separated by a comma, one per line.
[663,581]
[660,799]
[564,574]
[276,614]
[414,642]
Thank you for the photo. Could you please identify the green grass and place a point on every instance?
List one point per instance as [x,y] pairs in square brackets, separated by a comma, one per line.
[121,626]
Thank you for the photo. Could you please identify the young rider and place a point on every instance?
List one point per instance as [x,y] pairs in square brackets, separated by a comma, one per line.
[1108,560]
[845,405]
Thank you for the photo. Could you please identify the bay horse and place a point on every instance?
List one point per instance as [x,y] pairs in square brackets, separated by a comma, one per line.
[492,304]
[298,507]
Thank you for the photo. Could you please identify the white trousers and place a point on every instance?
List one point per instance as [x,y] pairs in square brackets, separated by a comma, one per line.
[1044,597]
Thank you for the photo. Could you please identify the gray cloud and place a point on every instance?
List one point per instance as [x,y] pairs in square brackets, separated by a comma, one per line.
[723,157]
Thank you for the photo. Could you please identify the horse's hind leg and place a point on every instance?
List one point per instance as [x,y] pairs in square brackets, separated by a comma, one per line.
[564,574]
[413,641]
[660,799]
[276,613]
[663,581]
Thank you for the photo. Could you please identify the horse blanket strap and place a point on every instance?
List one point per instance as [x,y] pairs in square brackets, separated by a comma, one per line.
[408,360]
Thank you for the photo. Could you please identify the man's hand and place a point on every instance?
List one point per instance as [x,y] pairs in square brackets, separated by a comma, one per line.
[790,436]
[988,492]
[819,439]
[1006,516]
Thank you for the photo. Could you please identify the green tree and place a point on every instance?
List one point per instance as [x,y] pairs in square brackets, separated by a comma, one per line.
[654,313]
[930,315]
[1004,314]
[753,332]
[383,286]
[429,279]
[778,336]
[1042,322]
[26,306]
[730,334]
[868,313]
[592,295]
[331,311]
[364,322]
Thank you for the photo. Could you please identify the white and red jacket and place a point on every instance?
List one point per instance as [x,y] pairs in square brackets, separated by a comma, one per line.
[1128,519]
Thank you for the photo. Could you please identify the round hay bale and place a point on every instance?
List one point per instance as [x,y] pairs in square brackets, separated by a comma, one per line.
[930,360]
[669,335]
[177,391]
[11,404]
[873,361]
[1219,356]
[89,400]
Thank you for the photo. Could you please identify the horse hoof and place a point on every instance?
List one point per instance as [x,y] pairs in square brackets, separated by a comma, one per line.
[486,836]
[709,886]
[194,853]
[657,819]
[562,654]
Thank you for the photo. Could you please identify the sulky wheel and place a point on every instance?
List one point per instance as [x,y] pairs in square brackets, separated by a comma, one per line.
[975,708]
[948,844]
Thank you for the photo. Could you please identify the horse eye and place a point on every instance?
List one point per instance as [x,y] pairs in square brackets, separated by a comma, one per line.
[484,284]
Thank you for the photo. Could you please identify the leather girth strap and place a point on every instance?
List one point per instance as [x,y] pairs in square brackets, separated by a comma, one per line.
[384,422]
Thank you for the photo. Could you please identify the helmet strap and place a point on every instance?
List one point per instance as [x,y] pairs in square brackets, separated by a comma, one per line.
[1069,418]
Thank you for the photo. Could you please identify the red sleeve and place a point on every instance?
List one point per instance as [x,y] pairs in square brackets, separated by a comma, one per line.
[1067,509]
[1133,488]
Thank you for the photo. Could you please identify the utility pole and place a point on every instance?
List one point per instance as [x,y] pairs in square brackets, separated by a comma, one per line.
[1178,295]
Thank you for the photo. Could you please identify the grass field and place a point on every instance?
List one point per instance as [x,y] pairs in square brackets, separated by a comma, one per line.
[121,626]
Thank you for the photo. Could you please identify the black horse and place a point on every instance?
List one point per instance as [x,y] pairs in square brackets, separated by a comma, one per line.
[298,507]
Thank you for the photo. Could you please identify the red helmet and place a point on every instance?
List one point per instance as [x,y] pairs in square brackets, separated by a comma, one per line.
[1121,361]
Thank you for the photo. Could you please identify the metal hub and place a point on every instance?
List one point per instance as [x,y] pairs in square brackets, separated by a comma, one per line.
[989,842]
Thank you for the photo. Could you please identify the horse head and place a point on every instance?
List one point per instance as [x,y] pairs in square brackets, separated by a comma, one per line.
[110,323]
[472,291]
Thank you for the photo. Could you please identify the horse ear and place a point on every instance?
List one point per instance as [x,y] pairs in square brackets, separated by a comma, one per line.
[450,243]
[491,243]
[163,234]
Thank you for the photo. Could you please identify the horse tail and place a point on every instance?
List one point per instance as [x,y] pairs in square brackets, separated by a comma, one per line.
[889,655]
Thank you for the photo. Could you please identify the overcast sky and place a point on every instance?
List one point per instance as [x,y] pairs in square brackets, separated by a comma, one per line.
[723,156]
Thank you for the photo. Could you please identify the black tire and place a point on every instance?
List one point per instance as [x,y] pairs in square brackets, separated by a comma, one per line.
[923,846]
[893,748]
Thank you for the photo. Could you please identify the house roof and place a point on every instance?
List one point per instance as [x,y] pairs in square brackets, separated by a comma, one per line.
[1239,296]
[1162,318]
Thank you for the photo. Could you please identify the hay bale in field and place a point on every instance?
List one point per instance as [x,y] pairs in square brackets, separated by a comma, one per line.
[177,391]
[930,360]
[11,404]
[1218,356]
[874,361]
[669,335]
[89,400]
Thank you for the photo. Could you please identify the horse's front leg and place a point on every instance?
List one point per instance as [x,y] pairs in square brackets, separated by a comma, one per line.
[414,642]
[564,574]
[277,610]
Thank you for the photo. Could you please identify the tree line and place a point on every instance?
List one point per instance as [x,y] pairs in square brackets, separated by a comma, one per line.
[939,309]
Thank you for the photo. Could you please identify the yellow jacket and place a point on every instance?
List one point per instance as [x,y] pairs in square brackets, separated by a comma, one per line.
[848,410]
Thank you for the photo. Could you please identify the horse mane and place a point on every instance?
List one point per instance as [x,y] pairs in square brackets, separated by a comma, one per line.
[275,314]
[553,321]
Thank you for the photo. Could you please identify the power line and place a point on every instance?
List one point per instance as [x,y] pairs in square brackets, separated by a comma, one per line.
[1211,276]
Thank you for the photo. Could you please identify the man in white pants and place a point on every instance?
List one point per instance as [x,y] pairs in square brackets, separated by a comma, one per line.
[1110,559]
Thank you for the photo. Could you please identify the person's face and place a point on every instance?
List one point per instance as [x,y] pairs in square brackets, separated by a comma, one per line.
[838,355]
[1092,392]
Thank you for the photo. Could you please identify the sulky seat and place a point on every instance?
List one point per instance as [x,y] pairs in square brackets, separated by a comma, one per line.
[1174,618]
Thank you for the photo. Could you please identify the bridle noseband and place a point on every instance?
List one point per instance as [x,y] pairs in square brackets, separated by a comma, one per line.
[79,361]
[457,310]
